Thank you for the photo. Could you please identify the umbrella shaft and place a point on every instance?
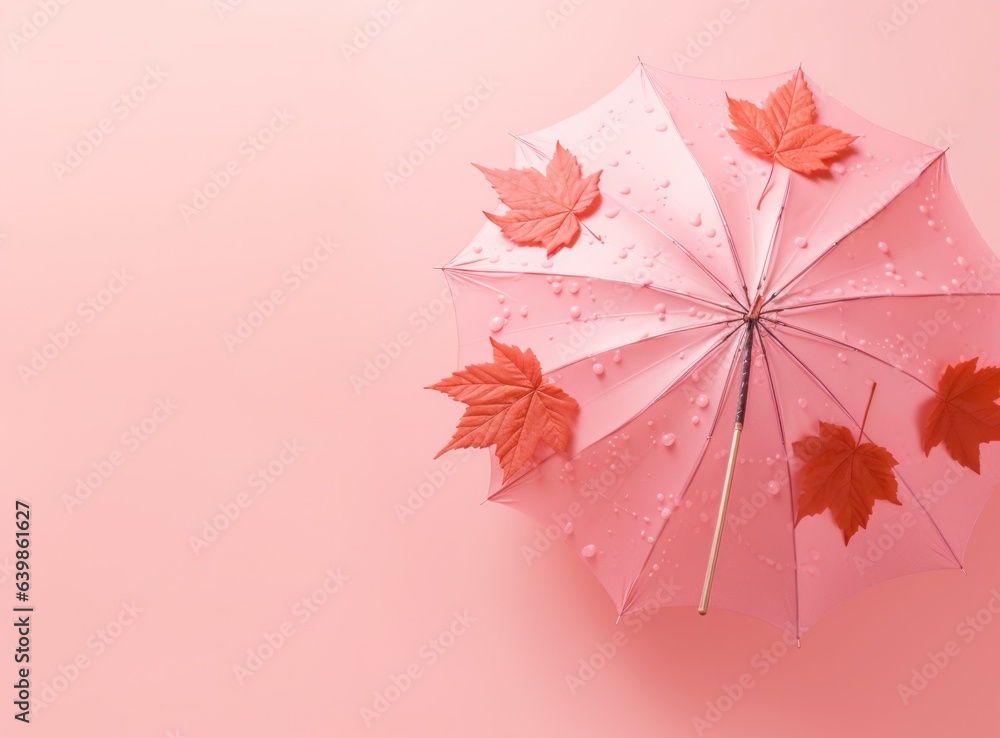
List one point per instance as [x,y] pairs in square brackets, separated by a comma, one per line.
[727,485]
[706,591]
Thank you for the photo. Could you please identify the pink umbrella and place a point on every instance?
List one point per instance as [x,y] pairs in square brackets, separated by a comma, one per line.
[712,262]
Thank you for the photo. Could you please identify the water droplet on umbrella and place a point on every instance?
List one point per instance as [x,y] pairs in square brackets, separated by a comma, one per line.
[883,247]
[773,488]
[695,420]
[803,402]
[664,182]
[625,189]
[612,212]
[524,310]
[568,528]
[496,325]
[588,551]
[501,299]
[575,312]
[617,357]
[696,220]
[801,242]
[598,369]
[667,439]
[661,127]
[557,287]
[665,513]
[841,356]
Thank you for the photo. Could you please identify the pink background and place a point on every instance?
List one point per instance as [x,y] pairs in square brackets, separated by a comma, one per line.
[437,611]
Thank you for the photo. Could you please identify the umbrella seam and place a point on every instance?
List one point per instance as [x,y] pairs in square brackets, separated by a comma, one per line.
[788,470]
[694,471]
[854,420]
[708,185]
[680,378]
[777,292]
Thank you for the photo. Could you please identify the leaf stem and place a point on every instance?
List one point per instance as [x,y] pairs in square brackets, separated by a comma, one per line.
[864,420]
[764,191]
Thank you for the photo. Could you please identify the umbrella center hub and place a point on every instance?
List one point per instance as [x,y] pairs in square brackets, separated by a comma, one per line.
[755,310]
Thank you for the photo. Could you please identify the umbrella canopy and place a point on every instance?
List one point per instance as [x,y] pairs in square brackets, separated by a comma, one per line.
[711,283]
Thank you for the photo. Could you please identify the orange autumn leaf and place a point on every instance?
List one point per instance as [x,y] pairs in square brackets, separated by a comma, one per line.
[544,208]
[785,131]
[509,407]
[965,414]
[844,476]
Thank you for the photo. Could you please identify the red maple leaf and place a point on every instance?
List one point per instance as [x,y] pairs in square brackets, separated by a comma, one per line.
[509,407]
[544,207]
[784,130]
[844,476]
[965,414]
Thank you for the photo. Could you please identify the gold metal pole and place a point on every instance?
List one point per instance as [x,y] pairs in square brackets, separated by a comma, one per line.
[723,503]
[727,485]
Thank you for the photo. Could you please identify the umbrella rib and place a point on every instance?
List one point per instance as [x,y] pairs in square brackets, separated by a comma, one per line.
[929,517]
[684,329]
[729,238]
[788,472]
[701,456]
[823,303]
[633,211]
[854,420]
[722,285]
[835,342]
[773,240]
[506,486]
[666,290]
[618,317]
[777,291]
[826,207]
[711,191]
